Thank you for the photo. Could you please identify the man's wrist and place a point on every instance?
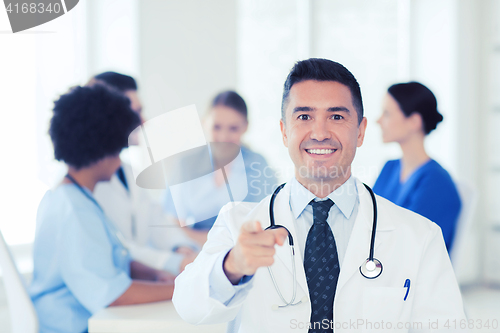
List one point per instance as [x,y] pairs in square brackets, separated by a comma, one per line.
[231,273]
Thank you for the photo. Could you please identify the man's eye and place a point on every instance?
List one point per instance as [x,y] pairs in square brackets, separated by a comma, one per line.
[304,117]
[337,117]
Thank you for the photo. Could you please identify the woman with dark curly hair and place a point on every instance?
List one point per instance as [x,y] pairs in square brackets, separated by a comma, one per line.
[80,264]
[416,181]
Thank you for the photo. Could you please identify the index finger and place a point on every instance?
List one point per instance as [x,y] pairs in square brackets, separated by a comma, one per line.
[252,227]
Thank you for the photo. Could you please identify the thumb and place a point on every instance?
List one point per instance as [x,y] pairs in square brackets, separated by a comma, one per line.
[280,235]
[252,227]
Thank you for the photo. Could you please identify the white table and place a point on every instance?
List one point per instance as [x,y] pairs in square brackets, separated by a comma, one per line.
[147,318]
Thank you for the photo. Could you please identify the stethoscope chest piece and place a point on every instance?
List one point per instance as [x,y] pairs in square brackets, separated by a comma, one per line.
[371,269]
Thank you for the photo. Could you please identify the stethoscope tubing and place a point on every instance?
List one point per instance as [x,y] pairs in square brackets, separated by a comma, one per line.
[374,227]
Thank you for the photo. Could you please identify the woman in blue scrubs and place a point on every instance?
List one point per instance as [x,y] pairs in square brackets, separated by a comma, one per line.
[225,122]
[80,265]
[416,181]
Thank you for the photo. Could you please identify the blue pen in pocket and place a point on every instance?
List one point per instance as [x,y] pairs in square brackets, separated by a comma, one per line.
[407,285]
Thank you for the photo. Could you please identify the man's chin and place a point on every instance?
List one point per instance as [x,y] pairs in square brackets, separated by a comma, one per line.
[323,173]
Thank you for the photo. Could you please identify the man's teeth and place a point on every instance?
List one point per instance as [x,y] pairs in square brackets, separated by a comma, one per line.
[320,151]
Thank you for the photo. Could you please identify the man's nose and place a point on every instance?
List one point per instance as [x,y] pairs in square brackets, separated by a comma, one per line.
[320,130]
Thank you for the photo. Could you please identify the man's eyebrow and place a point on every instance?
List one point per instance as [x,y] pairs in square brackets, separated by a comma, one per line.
[339,108]
[332,109]
[303,108]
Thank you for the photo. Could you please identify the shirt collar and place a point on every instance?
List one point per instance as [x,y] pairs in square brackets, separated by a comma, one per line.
[344,197]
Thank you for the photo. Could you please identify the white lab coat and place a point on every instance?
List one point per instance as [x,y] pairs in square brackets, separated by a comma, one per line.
[155,234]
[408,245]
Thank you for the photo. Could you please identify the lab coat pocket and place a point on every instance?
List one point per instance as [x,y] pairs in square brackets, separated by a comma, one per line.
[383,308]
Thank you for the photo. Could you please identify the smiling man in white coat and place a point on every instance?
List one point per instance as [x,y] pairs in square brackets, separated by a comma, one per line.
[329,215]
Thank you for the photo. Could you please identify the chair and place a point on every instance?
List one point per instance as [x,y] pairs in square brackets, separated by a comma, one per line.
[464,245]
[22,312]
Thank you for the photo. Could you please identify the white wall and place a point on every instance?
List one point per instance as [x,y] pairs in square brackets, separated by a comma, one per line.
[113,36]
[433,62]
[187,52]
[267,49]
[488,118]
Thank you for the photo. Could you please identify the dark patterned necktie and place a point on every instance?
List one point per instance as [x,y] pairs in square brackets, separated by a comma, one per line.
[321,263]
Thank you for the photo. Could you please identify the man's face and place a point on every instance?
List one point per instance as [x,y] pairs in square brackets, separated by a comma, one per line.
[321,131]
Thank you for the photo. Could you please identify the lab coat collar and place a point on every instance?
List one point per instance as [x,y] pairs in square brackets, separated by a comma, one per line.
[344,197]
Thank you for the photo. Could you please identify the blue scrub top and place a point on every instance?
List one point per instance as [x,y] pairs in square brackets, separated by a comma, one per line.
[80,266]
[208,199]
[429,191]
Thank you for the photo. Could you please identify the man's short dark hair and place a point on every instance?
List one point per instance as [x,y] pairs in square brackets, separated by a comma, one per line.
[318,69]
[90,123]
[118,81]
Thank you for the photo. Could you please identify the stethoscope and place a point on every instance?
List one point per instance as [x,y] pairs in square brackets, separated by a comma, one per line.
[371,268]
[118,235]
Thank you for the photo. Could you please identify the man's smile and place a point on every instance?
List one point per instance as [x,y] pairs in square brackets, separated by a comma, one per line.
[320,152]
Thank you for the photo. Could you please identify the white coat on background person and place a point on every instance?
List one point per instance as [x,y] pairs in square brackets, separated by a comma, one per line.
[408,245]
[149,234]
[322,125]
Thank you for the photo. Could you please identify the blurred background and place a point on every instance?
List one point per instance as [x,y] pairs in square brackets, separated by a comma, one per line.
[184,52]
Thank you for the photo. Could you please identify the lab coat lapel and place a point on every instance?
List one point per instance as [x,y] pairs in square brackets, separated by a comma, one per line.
[359,243]
[284,217]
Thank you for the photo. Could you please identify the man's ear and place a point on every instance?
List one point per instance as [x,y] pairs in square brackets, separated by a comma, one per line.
[361,131]
[283,133]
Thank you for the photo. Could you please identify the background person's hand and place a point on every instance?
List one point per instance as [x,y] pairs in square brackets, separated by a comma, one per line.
[186,251]
[163,276]
[254,249]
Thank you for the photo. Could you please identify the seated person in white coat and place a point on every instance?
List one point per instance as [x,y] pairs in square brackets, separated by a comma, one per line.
[149,235]
[80,265]
[328,285]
